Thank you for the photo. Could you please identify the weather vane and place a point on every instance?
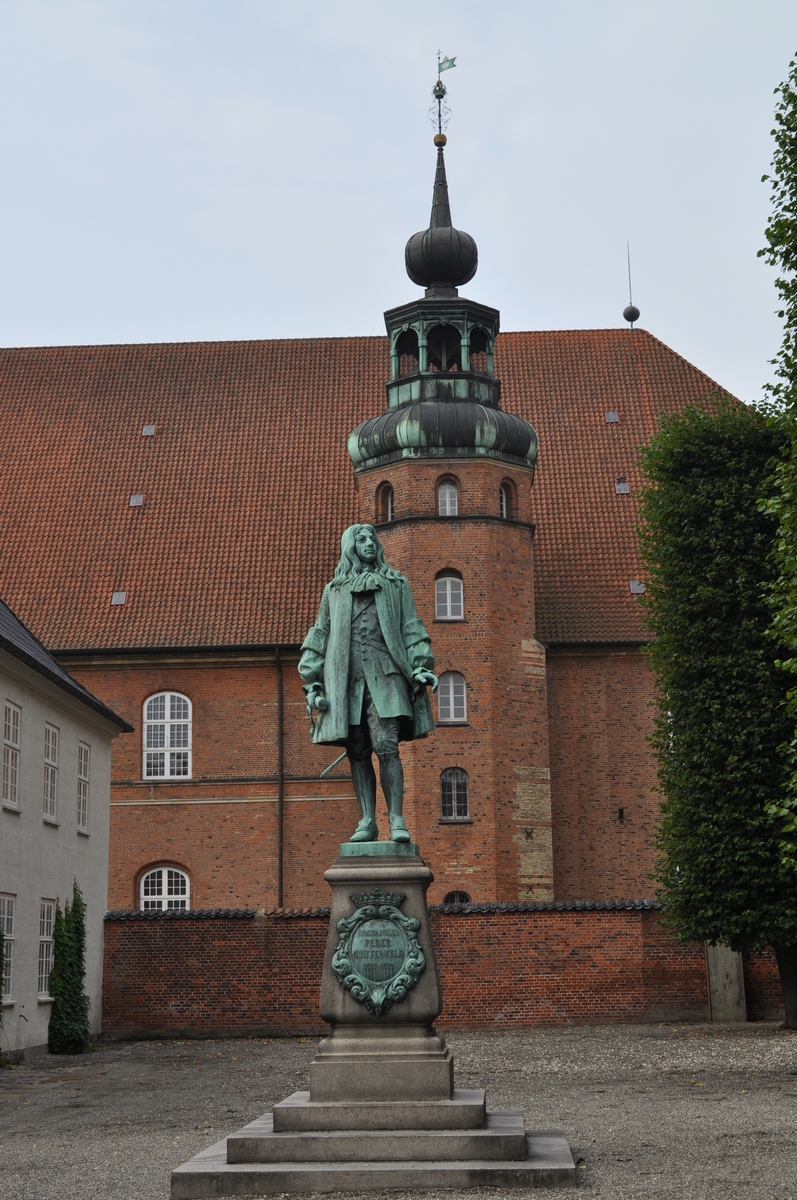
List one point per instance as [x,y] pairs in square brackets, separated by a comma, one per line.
[440,114]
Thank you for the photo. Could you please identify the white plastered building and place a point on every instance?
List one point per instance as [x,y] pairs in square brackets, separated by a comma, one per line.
[56,740]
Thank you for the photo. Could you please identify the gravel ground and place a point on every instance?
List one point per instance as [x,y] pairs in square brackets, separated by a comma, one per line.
[664,1112]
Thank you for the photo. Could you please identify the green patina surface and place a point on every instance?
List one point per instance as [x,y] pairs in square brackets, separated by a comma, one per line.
[378,958]
[379,850]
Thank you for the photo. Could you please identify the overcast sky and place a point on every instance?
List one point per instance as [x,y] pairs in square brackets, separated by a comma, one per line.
[210,169]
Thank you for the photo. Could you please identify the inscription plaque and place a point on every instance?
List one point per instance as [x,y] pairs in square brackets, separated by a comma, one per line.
[378,958]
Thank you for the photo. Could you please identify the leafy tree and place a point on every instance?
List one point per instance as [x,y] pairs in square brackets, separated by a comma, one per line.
[723,720]
[781,253]
[68,1031]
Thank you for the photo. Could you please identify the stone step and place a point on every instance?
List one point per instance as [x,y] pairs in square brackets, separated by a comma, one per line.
[548,1163]
[503,1138]
[298,1114]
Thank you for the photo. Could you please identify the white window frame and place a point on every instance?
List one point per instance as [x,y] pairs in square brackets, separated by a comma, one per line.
[83,773]
[50,794]
[447,498]
[455,781]
[164,887]
[46,920]
[452,699]
[168,739]
[7,906]
[12,718]
[449,603]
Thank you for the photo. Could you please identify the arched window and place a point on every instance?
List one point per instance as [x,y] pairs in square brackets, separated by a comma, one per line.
[407,352]
[454,798]
[448,604]
[384,502]
[456,898]
[478,352]
[451,702]
[447,498]
[506,500]
[167,736]
[165,887]
[444,348]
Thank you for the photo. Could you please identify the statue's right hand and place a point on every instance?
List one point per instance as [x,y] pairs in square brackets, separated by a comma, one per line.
[320,702]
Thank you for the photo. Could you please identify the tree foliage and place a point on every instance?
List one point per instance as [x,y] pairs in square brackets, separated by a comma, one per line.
[781,253]
[723,720]
[68,1031]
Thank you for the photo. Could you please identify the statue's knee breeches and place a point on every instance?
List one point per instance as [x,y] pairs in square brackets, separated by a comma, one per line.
[384,733]
[358,744]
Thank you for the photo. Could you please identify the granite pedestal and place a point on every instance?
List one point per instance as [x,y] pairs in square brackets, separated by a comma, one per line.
[382,1110]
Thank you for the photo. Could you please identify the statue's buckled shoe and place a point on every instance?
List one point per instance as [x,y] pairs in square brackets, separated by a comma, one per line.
[366,831]
[398,830]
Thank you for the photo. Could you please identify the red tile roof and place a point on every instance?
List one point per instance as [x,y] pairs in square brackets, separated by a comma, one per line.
[247,483]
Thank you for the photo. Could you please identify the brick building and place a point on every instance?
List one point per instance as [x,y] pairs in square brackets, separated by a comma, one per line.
[172,512]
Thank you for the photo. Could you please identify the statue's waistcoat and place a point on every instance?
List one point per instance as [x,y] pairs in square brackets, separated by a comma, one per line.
[372,666]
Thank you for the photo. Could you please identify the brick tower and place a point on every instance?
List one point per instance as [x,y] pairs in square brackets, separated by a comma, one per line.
[445,476]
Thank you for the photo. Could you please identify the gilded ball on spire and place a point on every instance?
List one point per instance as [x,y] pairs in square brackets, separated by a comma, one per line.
[440,139]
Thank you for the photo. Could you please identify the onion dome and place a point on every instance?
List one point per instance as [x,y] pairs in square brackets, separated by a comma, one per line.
[430,428]
[441,258]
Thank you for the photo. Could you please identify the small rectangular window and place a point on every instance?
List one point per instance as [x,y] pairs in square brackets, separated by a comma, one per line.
[46,918]
[11,754]
[622,487]
[7,933]
[83,765]
[637,587]
[148,431]
[119,598]
[137,500]
[611,418]
[50,771]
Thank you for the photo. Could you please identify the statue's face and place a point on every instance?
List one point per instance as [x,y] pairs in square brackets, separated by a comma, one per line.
[365,545]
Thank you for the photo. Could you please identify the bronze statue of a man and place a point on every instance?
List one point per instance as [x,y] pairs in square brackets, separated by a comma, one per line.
[366,664]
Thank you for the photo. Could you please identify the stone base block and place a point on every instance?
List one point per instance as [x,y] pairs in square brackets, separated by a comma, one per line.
[502,1138]
[362,1077]
[299,1114]
[547,1163]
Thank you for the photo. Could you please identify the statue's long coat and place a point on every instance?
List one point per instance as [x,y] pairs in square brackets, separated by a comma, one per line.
[325,656]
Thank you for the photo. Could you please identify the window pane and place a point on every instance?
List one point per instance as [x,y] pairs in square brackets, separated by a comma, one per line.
[441,598]
[455,597]
[8,968]
[10,774]
[178,763]
[178,735]
[178,708]
[46,916]
[45,963]
[447,500]
[156,708]
[153,884]
[177,883]
[155,764]
[451,705]
[156,736]
[11,725]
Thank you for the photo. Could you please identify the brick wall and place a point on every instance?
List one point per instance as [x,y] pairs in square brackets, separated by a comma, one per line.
[600,717]
[239,975]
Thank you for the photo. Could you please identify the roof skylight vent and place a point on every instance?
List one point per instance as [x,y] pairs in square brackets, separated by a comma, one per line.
[637,587]
[611,418]
[148,431]
[621,486]
[137,500]
[119,598]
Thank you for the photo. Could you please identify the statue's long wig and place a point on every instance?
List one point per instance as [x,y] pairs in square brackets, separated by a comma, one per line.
[350,565]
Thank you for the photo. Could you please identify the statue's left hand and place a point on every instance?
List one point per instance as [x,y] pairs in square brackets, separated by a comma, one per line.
[426,679]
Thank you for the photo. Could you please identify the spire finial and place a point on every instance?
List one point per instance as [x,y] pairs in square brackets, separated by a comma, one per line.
[441,258]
